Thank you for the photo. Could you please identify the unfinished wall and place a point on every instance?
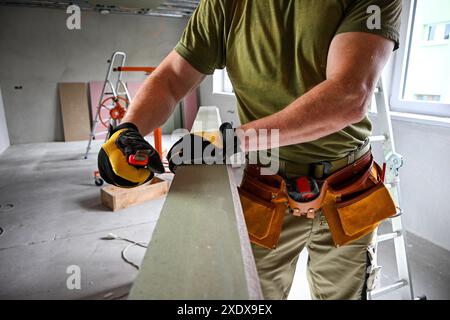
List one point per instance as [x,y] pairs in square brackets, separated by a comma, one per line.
[4,136]
[38,51]
[425,179]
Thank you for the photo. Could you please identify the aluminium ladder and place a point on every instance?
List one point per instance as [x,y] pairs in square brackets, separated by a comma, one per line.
[117,90]
[394,162]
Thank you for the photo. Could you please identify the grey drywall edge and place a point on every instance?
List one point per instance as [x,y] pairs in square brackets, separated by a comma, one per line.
[196,252]
[4,135]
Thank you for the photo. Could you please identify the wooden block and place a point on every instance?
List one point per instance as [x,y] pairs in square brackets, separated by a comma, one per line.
[75,110]
[120,198]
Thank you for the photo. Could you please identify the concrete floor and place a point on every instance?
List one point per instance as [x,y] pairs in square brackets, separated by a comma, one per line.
[58,220]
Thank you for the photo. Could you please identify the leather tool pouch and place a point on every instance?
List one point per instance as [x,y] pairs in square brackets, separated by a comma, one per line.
[357,201]
[264,203]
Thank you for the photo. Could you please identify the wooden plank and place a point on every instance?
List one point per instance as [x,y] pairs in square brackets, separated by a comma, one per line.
[200,247]
[119,198]
[75,110]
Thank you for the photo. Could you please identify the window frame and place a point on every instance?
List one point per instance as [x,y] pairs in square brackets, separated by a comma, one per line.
[219,82]
[398,104]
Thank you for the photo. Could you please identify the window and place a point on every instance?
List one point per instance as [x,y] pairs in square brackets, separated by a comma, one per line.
[222,83]
[437,32]
[427,97]
[422,76]
[431,32]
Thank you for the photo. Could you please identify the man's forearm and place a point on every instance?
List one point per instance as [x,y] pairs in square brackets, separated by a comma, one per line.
[327,108]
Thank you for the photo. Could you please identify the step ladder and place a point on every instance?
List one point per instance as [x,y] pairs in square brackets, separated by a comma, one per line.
[111,87]
[394,162]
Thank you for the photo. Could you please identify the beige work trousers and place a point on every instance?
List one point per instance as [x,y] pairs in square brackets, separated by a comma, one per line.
[333,273]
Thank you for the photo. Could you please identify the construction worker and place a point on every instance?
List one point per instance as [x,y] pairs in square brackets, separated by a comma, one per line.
[307,68]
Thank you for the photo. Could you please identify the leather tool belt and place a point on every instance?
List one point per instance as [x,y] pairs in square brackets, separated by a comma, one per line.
[353,199]
[264,202]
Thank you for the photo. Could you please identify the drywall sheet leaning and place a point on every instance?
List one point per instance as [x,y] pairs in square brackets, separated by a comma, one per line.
[95,92]
[75,110]
[4,135]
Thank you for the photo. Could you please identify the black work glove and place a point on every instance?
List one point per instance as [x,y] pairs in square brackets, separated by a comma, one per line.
[230,141]
[194,149]
[114,157]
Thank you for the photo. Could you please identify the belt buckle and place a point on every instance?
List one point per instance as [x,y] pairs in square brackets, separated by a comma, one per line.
[351,157]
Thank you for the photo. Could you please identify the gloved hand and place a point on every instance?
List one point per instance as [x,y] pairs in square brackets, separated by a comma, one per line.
[230,141]
[123,141]
[194,149]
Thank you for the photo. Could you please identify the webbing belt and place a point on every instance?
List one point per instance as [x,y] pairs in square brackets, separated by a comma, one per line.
[322,169]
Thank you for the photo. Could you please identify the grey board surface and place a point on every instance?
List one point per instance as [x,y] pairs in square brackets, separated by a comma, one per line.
[195,252]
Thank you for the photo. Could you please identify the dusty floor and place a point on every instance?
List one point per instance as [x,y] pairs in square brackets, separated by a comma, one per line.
[58,220]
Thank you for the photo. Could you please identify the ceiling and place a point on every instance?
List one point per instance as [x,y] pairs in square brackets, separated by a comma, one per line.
[166,8]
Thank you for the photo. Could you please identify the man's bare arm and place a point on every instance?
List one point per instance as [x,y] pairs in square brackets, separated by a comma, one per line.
[158,96]
[355,62]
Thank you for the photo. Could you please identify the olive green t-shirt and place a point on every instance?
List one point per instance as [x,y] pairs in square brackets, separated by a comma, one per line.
[276,50]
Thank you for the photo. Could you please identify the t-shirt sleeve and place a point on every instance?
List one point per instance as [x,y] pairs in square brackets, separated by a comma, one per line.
[380,17]
[202,42]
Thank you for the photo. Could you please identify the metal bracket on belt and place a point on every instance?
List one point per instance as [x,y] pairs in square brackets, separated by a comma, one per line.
[310,213]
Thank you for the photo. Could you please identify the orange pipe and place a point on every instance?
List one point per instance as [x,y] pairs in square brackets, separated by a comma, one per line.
[157,136]
[141,69]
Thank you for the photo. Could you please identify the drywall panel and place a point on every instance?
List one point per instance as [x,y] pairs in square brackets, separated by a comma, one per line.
[195,249]
[200,248]
[4,136]
[95,91]
[75,111]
